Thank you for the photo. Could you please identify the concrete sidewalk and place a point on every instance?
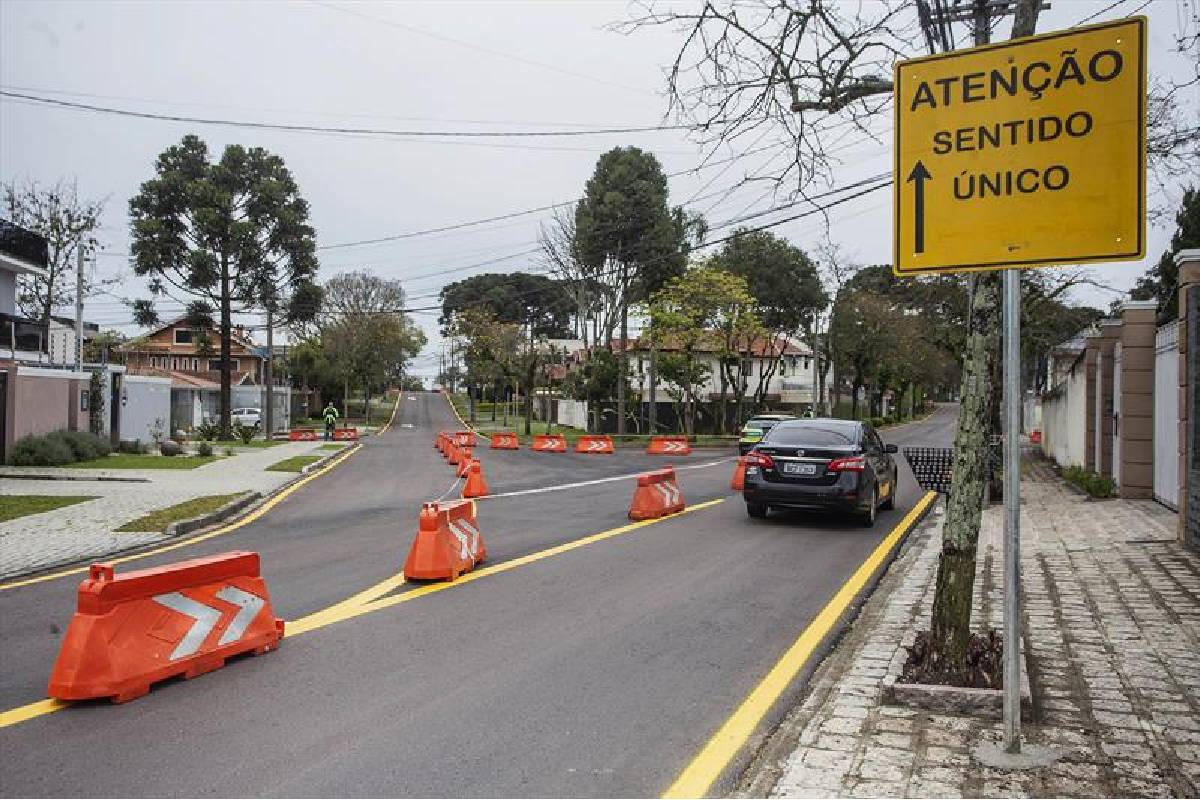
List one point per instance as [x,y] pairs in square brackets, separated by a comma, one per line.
[87,530]
[1112,628]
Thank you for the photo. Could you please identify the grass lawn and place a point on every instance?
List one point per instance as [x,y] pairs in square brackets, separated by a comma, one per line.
[138,461]
[157,521]
[332,447]
[293,464]
[22,505]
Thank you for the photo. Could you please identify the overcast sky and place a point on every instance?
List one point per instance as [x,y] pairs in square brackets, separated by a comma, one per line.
[428,66]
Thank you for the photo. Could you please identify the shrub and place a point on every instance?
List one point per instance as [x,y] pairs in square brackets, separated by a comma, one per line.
[41,451]
[208,430]
[1094,484]
[204,449]
[83,446]
[244,432]
[878,422]
[131,446]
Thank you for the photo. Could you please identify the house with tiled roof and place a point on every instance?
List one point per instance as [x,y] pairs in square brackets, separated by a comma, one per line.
[190,356]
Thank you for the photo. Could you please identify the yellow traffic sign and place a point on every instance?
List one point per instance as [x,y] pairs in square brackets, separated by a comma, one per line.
[1023,153]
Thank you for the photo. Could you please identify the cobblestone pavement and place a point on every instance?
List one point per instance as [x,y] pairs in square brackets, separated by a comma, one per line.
[86,530]
[1112,621]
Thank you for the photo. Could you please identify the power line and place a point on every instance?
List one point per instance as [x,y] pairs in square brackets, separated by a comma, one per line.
[294,128]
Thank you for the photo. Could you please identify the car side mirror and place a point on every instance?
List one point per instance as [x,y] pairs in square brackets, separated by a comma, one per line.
[891,448]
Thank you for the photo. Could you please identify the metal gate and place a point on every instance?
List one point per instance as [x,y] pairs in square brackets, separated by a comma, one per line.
[1166,415]
[1116,417]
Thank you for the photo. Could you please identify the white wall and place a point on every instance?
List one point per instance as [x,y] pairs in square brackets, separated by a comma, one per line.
[1064,423]
[146,403]
[797,371]
[572,413]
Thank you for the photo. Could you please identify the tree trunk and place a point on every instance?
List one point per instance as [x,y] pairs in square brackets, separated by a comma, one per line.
[367,402]
[951,624]
[494,401]
[652,410]
[226,365]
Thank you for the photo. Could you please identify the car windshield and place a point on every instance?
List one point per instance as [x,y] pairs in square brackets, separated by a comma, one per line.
[818,433]
[761,424]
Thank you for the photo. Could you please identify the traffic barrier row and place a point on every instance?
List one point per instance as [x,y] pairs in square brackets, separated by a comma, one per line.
[345,434]
[602,445]
[464,438]
[505,441]
[448,542]
[302,435]
[669,446]
[657,495]
[549,443]
[133,630]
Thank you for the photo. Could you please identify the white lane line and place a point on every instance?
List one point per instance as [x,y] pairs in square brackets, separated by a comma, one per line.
[598,480]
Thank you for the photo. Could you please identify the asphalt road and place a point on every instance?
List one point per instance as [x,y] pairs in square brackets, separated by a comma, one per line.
[596,671]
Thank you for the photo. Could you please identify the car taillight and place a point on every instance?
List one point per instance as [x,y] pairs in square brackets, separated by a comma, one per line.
[761,460]
[849,464]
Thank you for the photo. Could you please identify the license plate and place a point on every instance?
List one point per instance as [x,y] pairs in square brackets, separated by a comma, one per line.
[792,468]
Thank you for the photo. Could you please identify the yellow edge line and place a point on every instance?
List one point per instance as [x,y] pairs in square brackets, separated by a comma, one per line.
[454,410]
[354,606]
[246,520]
[702,772]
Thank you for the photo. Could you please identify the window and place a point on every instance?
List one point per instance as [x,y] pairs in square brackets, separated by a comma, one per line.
[214,364]
[184,336]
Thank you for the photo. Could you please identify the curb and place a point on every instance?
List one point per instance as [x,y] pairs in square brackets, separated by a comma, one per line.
[186,526]
[90,479]
[252,502]
[764,767]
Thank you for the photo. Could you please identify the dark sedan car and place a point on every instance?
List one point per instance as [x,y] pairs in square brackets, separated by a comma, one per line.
[830,464]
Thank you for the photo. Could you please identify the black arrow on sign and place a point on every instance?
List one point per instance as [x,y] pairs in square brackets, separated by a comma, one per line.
[920,175]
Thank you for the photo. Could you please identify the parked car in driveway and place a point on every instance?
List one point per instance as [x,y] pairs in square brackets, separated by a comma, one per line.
[250,417]
[755,427]
[828,464]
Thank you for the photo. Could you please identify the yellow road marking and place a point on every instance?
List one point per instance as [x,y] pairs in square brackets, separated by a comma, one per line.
[348,612]
[355,606]
[23,713]
[699,775]
[458,416]
[233,526]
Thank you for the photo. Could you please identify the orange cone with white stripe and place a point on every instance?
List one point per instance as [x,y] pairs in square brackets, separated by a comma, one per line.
[464,461]
[476,486]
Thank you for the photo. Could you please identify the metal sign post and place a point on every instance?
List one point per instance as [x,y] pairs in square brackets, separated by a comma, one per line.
[1012,511]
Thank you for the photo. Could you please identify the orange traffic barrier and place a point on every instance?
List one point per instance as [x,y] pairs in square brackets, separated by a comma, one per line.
[448,542]
[453,453]
[657,495]
[549,443]
[739,475]
[475,486]
[594,444]
[439,441]
[669,446]
[464,438]
[302,435]
[132,630]
[464,461]
[505,441]
[345,434]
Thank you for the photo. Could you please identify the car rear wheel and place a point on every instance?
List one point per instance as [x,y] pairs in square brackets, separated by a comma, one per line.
[867,518]
[756,510]
[890,503]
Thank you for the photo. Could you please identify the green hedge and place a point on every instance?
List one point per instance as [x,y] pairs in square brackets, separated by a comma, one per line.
[1095,485]
[57,449]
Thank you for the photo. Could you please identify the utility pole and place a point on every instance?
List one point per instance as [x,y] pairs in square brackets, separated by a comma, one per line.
[269,377]
[79,308]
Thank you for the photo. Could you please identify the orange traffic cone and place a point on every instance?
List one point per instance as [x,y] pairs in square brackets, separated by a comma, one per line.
[739,475]
[452,452]
[465,458]
[476,486]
